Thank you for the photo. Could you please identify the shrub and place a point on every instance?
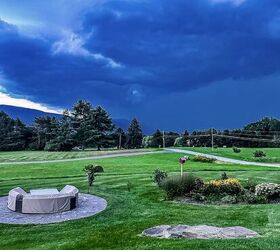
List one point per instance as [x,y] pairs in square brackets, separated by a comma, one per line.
[224,176]
[52,147]
[176,186]
[259,153]
[250,185]
[147,142]
[236,150]
[198,197]
[229,186]
[213,198]
[198,184]
[251,198]
[159,176]
[229,199]
[269,190]
[205,159]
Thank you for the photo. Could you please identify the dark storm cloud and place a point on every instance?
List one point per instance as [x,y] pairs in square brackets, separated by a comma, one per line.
[132,51]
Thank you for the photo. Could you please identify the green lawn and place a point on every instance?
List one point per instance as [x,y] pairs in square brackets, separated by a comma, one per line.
[45,155]
[272,154]
[129,213]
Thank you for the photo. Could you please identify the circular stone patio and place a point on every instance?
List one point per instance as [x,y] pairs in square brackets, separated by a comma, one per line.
[88,205]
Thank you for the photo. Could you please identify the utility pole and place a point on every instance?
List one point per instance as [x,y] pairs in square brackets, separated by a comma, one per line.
[212,139]
[120,140]
[163,140]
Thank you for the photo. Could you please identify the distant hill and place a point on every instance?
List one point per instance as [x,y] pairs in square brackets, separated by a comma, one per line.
[28,115]
[24,114]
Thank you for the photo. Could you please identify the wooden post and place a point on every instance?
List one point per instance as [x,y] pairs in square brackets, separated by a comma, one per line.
[120,141]
[181,170]
[212,139]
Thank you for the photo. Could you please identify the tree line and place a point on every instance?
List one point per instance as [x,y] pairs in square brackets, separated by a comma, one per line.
[81,127]
[263,133]
[85,126]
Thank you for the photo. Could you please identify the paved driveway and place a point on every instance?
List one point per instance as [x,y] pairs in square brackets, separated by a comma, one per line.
[223,159]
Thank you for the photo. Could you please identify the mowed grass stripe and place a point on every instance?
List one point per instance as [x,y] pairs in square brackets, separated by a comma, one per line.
[17,156]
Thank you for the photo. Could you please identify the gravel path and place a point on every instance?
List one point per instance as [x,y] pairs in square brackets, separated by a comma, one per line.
[89,205]
[223,159]
[83,158]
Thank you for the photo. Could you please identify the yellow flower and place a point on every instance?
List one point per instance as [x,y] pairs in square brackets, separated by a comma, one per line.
[230,181]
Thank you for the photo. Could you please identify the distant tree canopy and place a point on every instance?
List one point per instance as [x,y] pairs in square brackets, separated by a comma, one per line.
[264,133]
[87,126]
[13,133]
[83,126]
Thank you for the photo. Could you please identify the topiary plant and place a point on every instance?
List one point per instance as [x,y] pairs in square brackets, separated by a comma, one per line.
[91,171]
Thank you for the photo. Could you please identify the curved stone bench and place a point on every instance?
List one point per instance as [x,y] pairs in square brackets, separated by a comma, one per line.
[65,200]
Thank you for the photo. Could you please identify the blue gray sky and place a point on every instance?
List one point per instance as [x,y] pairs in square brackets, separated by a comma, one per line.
[175,65]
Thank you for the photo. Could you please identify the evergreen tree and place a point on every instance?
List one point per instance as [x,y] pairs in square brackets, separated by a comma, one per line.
[45,129]
[80,114]
[98,128]
[134,134]
[157,139]
[13,133]
[65,139]
[119,138]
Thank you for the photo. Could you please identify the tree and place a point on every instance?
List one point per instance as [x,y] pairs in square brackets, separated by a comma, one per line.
[147,141]
[45,129]
[180,142]
[157,139]
[80,114]
[98,128]
[13,133]
[65,139]
[134,134]
[170,138]
[119,138]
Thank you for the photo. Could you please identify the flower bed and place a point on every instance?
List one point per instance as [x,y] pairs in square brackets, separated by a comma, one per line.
[225,190]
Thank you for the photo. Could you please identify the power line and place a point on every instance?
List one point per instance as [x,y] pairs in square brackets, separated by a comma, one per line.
[233,134]
[257,131]
[248,139]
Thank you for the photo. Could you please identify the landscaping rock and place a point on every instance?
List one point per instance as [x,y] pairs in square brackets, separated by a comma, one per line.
[199,232]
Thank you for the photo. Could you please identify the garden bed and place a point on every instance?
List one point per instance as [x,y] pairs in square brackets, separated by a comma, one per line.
[191,189]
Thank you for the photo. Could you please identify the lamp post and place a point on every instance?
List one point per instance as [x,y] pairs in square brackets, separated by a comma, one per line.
[182,161]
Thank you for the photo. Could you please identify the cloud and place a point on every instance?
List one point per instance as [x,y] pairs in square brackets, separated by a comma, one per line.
[235,2]
[6,99]
[73,44]
[163,49]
